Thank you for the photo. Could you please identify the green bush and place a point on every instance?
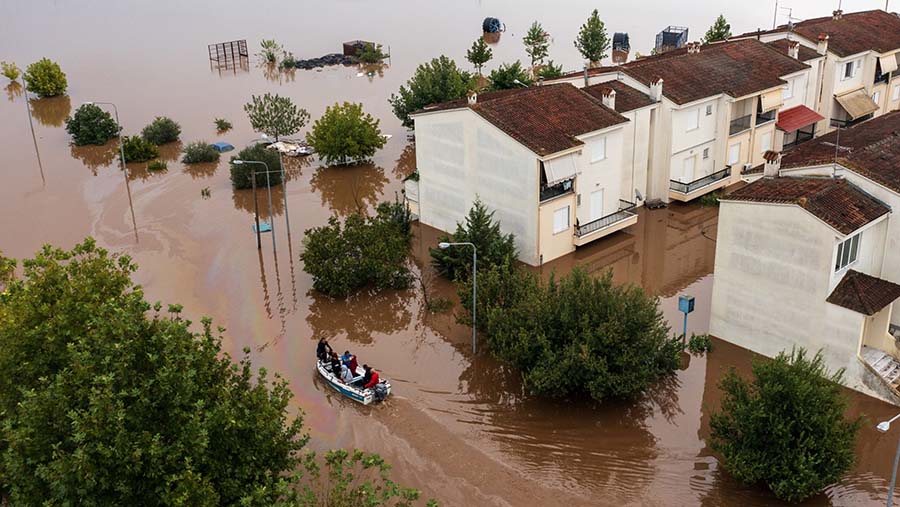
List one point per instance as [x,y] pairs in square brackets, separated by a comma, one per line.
[550,71]
[785,427]
[222,125]
[199,152]
[10,70]
[439,80]
[269,50]
[371,53]
[364,252]
[91,125]
[241,174]
[157,165]
[288,61]
[45,78]
[510,76]
[576,336]
[161,130]
[345,135]
[138,149]
[480,229]
[699,344]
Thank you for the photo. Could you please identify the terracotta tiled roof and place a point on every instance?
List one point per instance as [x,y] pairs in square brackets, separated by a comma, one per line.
[796,118]
[546,119]
[864,294]
[833,201]
[627,98]
[855,32]
[736,68]
[806,54]
[870,148]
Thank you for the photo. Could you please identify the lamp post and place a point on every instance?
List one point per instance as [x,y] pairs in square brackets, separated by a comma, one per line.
[883,427]
[33,136]
[122,158]
[287,218]
[445,246]
[255,206]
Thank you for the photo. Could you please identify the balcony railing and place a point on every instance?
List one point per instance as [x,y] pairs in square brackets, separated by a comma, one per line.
[626,211]
[765,117]
[739,125]
[557,190]
[687,188]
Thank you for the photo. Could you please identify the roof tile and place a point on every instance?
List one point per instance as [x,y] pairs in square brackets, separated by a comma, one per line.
[627,98]
[863,293]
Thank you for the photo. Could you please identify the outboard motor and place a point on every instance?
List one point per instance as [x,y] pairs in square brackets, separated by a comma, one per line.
[379,392]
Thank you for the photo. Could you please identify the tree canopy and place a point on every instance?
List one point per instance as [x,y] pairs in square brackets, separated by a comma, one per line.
[720,30]
[480,229]
[344,134]
[162,130]
[242,174]
[537,43]
[275,116]
[45,78]
[91,125]
[593,41]
[437,81]
[785,427]
[479,54]
[509,76]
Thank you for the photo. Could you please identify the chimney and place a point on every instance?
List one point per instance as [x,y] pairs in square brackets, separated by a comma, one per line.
[693,48]
[656,89]
[773,164]
[837,15]
[794,49]
[822,48]
[473,97]
[608,98]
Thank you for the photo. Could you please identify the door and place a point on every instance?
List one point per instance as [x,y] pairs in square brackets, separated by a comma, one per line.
[596,205]
[687,174]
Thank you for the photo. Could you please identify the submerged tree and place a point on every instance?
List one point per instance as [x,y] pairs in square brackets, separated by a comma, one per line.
[479,54]
[275,116]
[785,427]
[45,78]
[509,76]
[593,41]
[494,248]
[437,81]
[161,130]
[91,125]
[242,174]
[537,43]
[344,134]
[720,30]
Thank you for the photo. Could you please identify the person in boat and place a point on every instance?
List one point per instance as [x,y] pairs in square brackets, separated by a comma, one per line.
[366,378]
[336,365]
[346,376]
[323,350]
[349,360]
[373,378]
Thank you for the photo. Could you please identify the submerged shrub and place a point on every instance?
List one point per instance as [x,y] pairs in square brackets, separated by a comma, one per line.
[91,125]
[344,134]
[222,124]
[162,130]
[157,165]
[241,175]
[45,78]
[371,53]
[699,344]
[10,70]
[199,152]
[138,149]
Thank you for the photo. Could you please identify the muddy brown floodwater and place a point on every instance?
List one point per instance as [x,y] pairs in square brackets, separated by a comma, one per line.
[459,427]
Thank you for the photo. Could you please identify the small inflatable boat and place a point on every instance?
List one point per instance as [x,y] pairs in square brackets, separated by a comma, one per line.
[364,396]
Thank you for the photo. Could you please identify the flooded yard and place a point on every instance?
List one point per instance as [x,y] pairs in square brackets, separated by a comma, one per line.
[460,427]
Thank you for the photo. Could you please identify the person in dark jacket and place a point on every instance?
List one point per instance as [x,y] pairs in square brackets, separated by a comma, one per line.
[373,380]
[367,377]
[336,364]
[323,350]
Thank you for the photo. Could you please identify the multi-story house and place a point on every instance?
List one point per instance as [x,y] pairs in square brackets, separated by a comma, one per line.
[556,164]
[859,74]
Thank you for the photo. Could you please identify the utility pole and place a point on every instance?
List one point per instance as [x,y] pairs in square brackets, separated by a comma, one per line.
[775,16]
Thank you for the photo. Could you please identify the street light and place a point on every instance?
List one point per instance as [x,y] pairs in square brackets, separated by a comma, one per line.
[255,205]
[287,219]
[883,427]
[122,158]
[444,246]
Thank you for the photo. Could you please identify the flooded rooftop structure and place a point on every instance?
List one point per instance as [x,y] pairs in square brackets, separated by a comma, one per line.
[672,37]
[232,55]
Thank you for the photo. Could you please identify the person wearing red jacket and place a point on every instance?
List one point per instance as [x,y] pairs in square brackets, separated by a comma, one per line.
[373,381]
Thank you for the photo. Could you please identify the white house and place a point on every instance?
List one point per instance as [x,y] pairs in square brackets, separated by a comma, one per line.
[553,162]
[800,263]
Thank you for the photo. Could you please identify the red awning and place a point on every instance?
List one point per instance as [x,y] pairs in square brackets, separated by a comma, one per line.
[797,117]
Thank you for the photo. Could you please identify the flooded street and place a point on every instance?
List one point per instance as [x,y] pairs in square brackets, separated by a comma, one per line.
[461,428]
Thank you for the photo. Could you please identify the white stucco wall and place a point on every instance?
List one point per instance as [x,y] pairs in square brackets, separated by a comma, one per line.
[602,175]
[460,156]
[635,155]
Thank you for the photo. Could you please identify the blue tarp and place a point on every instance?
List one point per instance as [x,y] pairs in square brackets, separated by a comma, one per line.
[222,147]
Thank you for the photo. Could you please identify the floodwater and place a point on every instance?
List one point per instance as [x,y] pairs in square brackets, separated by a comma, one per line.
[459,426]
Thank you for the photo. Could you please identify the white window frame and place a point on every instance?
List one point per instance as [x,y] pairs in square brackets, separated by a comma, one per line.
[787,91]
[558,226]
[762,146]
[847,253]
[734,158]
[709,110]
[693,120]
[896,95]
[598,149]
[853,67]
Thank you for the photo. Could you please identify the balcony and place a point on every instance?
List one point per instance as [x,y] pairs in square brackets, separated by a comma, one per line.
[626,216]
[768,116]
[552,192]
[686,191]
[739,125]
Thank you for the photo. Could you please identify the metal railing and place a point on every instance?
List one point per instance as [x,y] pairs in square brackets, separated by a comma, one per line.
[625,212]
[687,188]
[557,190]
[739,125]
[765,117]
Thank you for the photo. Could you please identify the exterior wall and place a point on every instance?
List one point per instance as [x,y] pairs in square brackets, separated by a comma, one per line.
[756,156]
[876,334]
[800,96]
[773,265]
[460,157]
[682,138]
[892,103]
[605,175]
[553,245]
[863,76]
[635,155]
[660,163]
[871,253]
[742,139]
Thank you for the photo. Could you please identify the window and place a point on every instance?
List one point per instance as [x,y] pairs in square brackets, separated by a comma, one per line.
[705,153]
[598,150]
[765,142]
[849,70]
[734,154]
[693,119]
[847,253]
[896,95]
[788,90]
[876,97]
[561,220]
[709,110]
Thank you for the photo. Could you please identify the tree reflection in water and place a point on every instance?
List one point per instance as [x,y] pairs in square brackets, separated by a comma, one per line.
[13,90]
[406,164]
[51,111]
[360,316]
[95,157]
[243,200]
[352,189]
